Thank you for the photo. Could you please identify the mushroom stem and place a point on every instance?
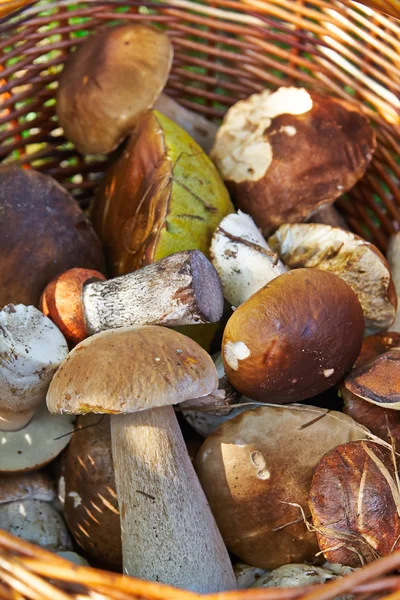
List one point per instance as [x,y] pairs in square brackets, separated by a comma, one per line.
[393,257]
[242,258]
[199,128]
[181,289]
[328,215]
[168,531]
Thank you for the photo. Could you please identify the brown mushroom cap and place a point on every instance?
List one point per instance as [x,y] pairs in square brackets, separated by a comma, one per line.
[43,232]
[131,369]
[283,154]
[294,338]
[378,381]
[383,422]
[355,503]
[359,263]
[91,502]
[252,466]
[162,195]
[109,82]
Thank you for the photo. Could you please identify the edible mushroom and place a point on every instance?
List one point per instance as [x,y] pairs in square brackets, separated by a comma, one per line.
[256,472]
[143,371]
[109,82]
[31,349]
[181,289]
[355,501]
[43,232]
[382,422]
[291,340]
[283,154]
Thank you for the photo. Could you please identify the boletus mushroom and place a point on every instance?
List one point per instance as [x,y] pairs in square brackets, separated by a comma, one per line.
[382,422]
[256,472]
[295,575]
[143,372]
[181,289]
[43,232]
[243,259]
[378,381]
[26,511]
[31,349]
[286,153]
[355,503]
[346,254]
[109,82]
[162,195]
[294,338]
[90,502]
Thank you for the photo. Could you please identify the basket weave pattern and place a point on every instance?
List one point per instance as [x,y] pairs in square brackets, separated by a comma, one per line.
[224,51]
[29,572]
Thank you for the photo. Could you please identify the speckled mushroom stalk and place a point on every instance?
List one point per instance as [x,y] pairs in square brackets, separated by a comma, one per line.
[181,289]
[393,256]
[168,531]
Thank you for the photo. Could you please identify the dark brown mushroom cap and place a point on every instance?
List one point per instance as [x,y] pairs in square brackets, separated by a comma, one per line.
[310,156]
[131,369]
[383,422]
[252,466]
[43,232]
[355,503]
[109,82]
[91,502]
[378,381]
[294,338]
[374,345]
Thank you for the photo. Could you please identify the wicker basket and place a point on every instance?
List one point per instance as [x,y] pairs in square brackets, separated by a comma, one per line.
[224,50]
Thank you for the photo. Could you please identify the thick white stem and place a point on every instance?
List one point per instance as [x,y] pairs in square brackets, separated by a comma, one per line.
[182,289]
[168,531]
[242,258]
[199,128]
[393,257]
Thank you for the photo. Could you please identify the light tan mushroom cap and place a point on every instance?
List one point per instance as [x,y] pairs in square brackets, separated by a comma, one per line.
[131,369]
[253,466]
[356,261]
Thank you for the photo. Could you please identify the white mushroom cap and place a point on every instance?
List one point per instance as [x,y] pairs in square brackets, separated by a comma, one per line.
[36,445]
[29,486]
[242,258]
[357,262]
[37,522]
[246,575]
[294,575]
[31,349]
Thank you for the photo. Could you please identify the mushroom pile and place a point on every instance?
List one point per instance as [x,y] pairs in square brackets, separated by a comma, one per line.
[200,375]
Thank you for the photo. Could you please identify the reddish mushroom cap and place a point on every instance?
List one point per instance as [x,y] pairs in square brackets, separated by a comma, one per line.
[61,301]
